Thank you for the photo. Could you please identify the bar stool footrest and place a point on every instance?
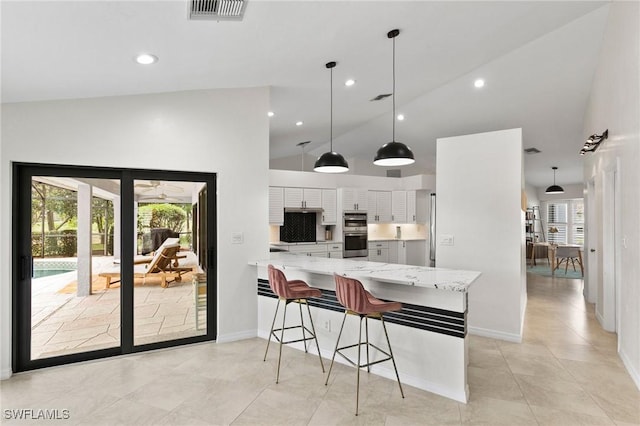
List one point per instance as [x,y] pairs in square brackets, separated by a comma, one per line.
[388,355]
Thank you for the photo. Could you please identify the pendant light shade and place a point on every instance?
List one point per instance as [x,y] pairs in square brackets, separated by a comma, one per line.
[394,153]
[554,189]
[331,162]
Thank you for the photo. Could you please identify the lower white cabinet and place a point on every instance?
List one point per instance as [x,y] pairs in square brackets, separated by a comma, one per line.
[416,253]
[379,251]
[412,252]
[379,255]
[334,250]
[318,249]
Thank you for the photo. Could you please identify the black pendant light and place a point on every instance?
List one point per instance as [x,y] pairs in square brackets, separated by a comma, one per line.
[554,189]
[394,153]
[331,162]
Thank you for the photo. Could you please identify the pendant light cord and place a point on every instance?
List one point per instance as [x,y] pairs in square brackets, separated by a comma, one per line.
[393,139]
[331,113]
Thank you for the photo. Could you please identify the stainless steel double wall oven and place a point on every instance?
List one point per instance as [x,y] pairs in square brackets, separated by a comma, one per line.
[354,233]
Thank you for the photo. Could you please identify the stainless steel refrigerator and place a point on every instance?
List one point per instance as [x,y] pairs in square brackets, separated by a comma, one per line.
[432,230]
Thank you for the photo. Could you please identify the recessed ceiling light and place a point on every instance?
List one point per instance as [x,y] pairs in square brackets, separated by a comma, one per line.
[299,123]
[146,59]
[479,83]
[270,114]
[400,117]
[349,82]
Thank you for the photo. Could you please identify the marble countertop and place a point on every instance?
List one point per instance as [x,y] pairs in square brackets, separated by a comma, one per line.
[419,276]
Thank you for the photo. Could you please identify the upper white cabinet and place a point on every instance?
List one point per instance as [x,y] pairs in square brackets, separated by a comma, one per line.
[379,207]
[399,207]
[417,206]
[329,207]
[276,206]
[306,198]
[411,207]
[352,199]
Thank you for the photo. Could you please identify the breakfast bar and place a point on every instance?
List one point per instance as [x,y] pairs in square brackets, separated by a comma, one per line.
[429,334]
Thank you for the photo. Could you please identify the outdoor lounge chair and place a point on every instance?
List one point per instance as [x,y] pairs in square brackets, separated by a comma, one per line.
[162,266]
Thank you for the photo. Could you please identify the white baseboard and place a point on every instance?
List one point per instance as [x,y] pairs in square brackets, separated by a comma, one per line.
[384,372]
[600,319]
[5,374]
[494,334]
[630,368]
[240,335]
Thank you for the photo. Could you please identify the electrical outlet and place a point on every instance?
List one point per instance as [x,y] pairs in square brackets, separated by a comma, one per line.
[327,325]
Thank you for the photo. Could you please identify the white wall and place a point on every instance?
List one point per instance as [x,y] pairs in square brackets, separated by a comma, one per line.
[299,179]
[615,104]
[293,162]
[532,195]
[219,131]
[479,191]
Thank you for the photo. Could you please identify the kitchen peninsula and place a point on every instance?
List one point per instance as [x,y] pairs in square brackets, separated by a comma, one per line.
[429,335]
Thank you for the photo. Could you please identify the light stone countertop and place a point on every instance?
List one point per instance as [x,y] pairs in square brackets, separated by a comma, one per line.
[419,276]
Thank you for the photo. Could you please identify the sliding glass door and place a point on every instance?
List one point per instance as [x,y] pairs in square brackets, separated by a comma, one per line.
[71,241]
[170,286]
[110,261]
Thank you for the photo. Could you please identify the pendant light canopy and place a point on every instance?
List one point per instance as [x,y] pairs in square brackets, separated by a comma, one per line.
[554,189]
[394,153]
[331,162]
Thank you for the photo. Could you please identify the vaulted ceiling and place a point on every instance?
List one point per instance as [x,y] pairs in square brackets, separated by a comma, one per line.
[537,59]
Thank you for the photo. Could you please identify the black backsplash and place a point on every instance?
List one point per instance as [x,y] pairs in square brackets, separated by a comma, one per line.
[298,227]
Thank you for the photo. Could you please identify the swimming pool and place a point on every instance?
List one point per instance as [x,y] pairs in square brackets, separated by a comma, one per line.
[39,273]
[49,267]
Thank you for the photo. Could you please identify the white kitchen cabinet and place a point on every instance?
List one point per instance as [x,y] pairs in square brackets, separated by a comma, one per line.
[416,252]
[306,198]
[379,255]
[379,207]
[276,206]
[411,207]
[417,207]
[329,207]
[379,251]
[317,249]
[334,248]
[352,199]
[397,252]
[411,252]
[399,206]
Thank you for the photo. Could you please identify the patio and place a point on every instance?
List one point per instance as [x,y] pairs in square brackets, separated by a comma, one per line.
[64,323]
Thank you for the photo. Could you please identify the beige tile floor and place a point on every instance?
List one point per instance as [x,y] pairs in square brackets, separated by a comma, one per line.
[566,372]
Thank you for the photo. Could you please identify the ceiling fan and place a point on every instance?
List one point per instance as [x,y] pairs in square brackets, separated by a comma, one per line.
[162,198]
[153,184]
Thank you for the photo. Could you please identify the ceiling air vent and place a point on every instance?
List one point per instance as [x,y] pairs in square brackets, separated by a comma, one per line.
[532,151]
[217,10]
[380,97]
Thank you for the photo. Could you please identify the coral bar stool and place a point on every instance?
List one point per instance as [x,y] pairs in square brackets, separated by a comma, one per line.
[291,291]
[358,301]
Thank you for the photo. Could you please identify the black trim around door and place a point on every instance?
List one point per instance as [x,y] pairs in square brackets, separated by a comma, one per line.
[21,259]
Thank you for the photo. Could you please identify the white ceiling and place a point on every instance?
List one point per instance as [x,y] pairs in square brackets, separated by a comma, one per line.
[538,59]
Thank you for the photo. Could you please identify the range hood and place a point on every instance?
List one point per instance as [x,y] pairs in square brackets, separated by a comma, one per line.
[303,210]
